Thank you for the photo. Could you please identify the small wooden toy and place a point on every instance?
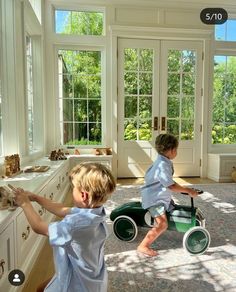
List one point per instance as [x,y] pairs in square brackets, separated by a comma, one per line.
[7,198]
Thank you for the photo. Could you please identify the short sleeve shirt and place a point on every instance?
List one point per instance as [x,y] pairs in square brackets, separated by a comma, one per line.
[78,250]
[157,180]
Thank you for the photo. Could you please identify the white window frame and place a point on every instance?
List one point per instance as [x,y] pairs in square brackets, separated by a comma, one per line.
[87,42]
[37,96]
[103,97]
[223,48]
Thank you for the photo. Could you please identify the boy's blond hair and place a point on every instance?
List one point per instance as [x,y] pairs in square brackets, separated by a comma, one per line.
[165,142]
[94,179]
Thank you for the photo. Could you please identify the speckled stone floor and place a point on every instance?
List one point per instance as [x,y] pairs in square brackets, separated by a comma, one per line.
[174,269]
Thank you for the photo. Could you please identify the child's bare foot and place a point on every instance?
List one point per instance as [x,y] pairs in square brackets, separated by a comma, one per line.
[147,251]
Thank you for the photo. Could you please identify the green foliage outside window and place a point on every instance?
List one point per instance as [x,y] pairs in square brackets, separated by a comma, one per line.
[224,101]
[80,80]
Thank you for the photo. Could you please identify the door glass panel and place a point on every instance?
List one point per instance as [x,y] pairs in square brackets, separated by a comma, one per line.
[130,106]
[181,93]
[138,87]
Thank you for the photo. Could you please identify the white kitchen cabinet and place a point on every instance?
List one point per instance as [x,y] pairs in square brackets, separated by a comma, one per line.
[6,256]
[19,244]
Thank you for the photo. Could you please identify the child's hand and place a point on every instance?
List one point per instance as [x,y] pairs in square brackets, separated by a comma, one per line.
[192,193]
[21,197]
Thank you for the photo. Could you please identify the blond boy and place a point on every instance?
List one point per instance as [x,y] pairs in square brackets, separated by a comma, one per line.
[78,239]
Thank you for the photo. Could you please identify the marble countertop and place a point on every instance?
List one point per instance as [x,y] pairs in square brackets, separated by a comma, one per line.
[34,182]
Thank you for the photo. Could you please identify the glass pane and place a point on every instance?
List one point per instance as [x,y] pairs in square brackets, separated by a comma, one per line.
[230,111]
[226,31]
[188,107]
[145,130]
[95,136]
[67,85]
[81,90]
[94,110]
[67,110]
[92,60]
[81,134]
[145,107]
[187,130]
[145,83]
[231,28]
[173,107]
[62,21]
[131,105]
[174,60]
[131,60]
[80,110]
[79,22]
[80,86]
[217,134]
[131,83]
[173,127]
[67,133]
[130,129]
[146,60]
[188,85]
[188,60]
[173,84]
[224,100]
[230,134]
[220,32]
[94,86]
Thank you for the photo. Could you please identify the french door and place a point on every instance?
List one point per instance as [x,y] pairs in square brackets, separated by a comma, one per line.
[159,91]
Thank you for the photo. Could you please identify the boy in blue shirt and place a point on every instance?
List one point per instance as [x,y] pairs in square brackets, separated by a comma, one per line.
[158,189]
[78,239]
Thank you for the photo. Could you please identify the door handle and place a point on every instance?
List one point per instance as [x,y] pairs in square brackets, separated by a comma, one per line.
[155,122]
[163,123]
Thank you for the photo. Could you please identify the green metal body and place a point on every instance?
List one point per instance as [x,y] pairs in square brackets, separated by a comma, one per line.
[181,219]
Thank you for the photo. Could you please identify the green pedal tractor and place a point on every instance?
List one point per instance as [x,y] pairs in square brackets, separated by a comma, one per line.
[186,219]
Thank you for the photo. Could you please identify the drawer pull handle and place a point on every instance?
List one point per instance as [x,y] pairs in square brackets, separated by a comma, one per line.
[2,263]
[51,196]
[58,186]
[26,234]
[40,212]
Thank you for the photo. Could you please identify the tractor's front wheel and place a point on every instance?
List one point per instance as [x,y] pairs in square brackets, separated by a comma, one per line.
[196,240]
[125,228]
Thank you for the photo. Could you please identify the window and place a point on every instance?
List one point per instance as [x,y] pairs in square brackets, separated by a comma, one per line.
[224,100]
[30,92]
[1,68]
[224,85]
[80,97]
[34,93]
[226,31]
[79,22]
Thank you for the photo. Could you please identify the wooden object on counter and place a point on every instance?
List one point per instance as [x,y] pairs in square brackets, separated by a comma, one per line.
[102,151]
[37,168]
[57,155]
[12,165]
[6,199]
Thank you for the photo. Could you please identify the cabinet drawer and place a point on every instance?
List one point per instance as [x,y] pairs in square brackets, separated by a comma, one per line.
[25,238]
[6,257]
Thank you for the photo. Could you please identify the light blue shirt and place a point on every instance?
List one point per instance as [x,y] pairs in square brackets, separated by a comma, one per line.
[157,180]
[78,249]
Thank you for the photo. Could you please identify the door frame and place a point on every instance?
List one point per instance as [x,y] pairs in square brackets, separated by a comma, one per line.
[134,157]
[203,35]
